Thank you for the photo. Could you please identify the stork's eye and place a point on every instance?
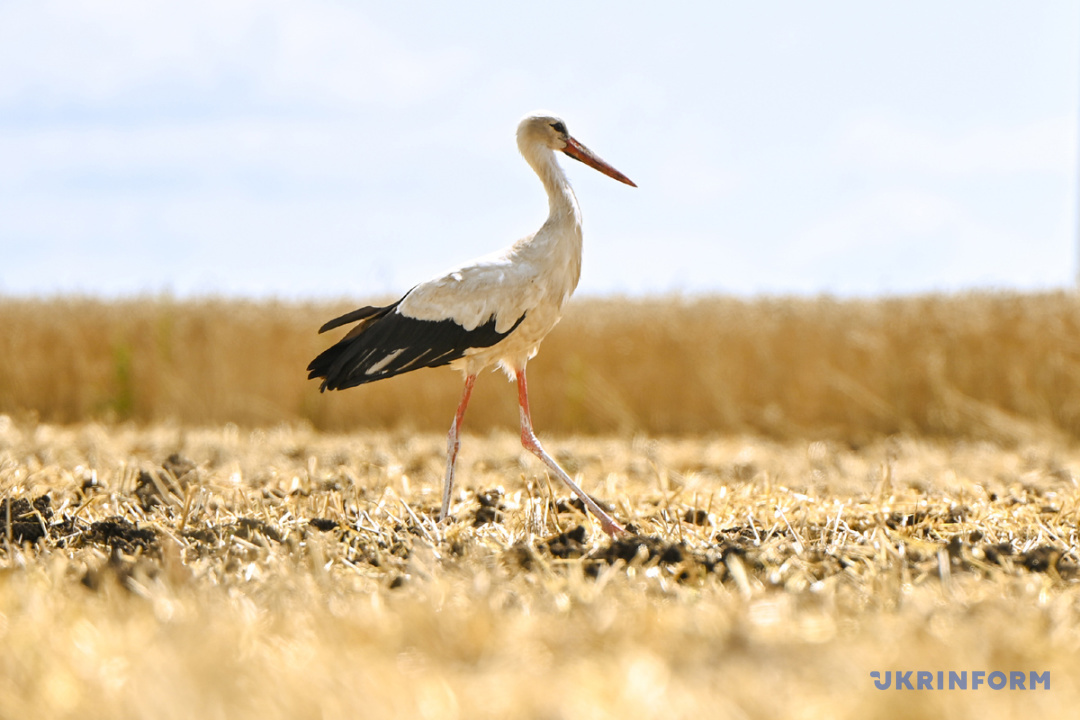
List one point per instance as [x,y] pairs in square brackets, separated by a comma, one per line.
[560,127]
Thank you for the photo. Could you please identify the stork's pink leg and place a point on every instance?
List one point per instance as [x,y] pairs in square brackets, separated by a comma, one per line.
[452,445]
[528,439]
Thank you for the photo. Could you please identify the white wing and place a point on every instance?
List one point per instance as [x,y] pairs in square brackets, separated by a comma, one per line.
[501,286]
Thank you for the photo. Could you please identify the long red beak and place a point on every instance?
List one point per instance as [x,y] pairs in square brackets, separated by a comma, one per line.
[579,152]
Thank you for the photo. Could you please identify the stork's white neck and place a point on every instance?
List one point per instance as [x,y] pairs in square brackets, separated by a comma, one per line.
[557,245]
[562,203]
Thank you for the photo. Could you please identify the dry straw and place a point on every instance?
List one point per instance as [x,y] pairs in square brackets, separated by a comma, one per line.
[298,574]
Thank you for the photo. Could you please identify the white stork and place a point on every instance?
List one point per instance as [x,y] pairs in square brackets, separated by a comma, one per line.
[493,310]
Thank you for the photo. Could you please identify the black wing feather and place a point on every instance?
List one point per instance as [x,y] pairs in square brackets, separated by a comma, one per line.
[388,343]
[355,315]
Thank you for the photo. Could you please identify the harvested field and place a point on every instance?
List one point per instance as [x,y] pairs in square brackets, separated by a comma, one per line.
[178,571]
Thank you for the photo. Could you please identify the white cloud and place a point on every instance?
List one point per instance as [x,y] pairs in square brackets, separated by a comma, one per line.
[99,51]
[909,239]
[75,158]
[1044,145]
[895,217]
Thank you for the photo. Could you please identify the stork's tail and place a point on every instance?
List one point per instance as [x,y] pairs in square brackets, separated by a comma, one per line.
[330,362]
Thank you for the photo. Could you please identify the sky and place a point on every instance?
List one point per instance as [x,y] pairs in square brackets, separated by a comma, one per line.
[329,149]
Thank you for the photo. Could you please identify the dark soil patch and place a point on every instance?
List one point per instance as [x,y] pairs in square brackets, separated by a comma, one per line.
[119,534]
[491,507]
[1044,559]
[251,530]
[25,520]
[565,545]
[176,473]
[696,517]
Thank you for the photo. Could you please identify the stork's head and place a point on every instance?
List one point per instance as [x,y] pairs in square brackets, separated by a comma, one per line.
[547,131]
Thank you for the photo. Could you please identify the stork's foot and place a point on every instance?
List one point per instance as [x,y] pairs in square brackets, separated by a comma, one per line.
[607,523]
[612,528]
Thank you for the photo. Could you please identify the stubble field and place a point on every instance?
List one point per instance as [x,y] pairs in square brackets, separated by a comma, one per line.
[158,563]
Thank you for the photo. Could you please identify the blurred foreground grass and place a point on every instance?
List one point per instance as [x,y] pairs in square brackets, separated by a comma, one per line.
[1003,367]
[174,572]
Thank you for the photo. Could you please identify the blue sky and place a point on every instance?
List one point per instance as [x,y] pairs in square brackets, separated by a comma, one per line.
[330,148]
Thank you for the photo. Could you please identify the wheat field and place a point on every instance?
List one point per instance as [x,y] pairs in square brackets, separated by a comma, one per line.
[817,491]
[997,366]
